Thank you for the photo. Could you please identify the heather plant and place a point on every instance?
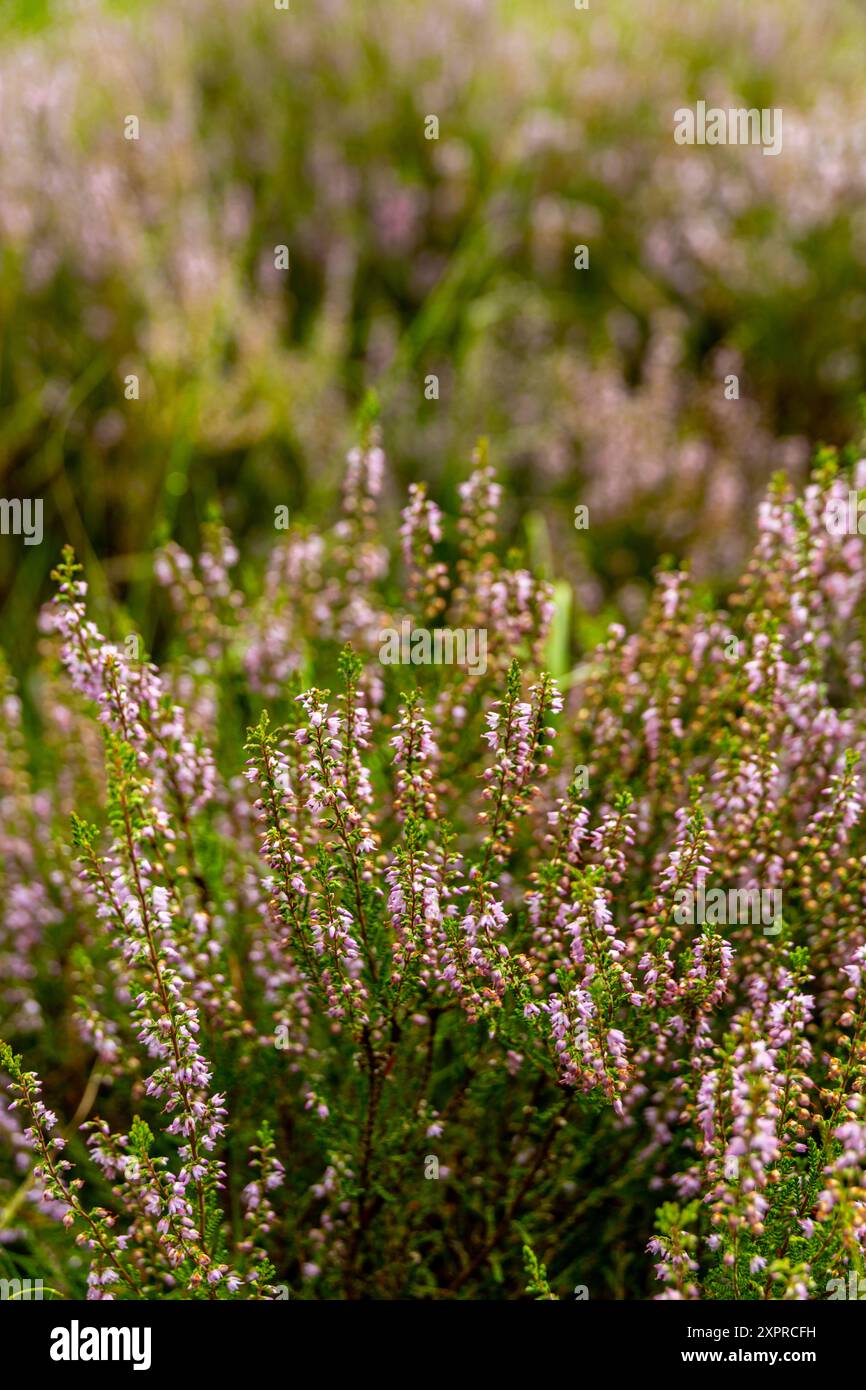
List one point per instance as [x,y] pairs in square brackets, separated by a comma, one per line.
[329,977]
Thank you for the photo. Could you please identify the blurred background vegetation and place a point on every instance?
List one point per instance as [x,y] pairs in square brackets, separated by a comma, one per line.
[413,257]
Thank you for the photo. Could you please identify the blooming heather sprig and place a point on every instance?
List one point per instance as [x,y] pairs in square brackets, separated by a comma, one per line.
[95,1228]
[334,781]
[675,1247]
[26,906]
[321,937]
[416,759]
[333,931]
[359,558]
[259,1214]
[588,1054]
[295,607]
[569,848]
[480,497]
[685,871]
[131,700]
[278,807]
[174,570]
[167,1025]
[415,910]
[420,532]
[599,993]
[518,734]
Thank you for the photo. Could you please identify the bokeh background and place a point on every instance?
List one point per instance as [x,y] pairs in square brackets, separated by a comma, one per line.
[412,257]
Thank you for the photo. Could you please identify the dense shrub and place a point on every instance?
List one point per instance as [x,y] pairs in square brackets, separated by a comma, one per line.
[339,977]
